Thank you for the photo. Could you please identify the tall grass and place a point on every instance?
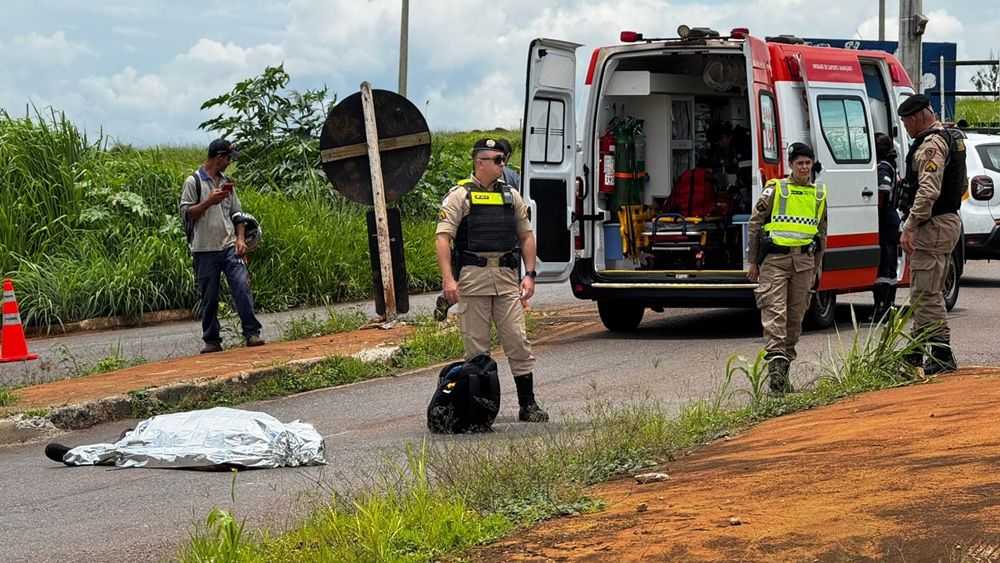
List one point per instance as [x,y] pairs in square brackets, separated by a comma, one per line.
[90,228]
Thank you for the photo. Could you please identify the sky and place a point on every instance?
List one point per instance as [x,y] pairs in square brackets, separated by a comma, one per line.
[139,71]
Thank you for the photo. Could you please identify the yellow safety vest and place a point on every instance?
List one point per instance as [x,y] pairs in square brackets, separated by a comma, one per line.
[796,213]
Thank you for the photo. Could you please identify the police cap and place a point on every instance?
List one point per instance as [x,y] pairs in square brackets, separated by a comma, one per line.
[487,144]
[796,150]
[914,104]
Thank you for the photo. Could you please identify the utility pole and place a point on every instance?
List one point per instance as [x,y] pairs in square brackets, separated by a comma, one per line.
[404,39]
[881,20]
[912,23]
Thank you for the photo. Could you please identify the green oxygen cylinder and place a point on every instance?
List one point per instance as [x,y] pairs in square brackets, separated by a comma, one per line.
[624,162]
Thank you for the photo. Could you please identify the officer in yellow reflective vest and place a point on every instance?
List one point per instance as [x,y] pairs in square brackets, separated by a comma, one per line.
[487,221]
[787,239]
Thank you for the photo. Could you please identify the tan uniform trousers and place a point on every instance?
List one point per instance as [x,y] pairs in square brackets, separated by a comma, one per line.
[492,296]
[933,245]
[783,298]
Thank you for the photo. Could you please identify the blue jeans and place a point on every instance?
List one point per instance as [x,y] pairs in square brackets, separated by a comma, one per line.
[208,269]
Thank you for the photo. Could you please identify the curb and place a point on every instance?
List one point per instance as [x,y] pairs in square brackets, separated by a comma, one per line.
[107,323]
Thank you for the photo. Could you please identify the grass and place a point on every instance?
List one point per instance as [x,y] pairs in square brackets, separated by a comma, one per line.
[981,112]
[312,326]
[489,486]
[90,228]
[7,397]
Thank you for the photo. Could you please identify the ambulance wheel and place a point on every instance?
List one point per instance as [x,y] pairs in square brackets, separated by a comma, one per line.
[951,285]
[620,316]
[822,310]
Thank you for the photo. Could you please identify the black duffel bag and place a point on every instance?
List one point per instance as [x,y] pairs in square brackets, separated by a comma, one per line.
[467,398]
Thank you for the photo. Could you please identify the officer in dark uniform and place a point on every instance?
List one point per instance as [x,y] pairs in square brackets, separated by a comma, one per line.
[931,196]
[884,291]
[488,223]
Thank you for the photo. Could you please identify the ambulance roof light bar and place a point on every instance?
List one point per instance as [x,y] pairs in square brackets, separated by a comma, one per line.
[684,32]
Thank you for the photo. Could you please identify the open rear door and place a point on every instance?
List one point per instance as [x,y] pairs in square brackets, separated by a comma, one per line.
[840,125]
[547,176]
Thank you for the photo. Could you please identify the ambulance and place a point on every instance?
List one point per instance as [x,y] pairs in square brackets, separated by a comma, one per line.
[618,195]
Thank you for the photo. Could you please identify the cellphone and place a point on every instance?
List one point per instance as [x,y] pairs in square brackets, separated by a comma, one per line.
[228,187]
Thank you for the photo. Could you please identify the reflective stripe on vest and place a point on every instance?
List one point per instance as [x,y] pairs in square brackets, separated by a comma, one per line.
[796,213]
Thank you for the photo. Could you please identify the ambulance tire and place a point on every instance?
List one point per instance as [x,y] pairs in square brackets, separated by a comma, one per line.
[951,284]
[822,311]
[620,316]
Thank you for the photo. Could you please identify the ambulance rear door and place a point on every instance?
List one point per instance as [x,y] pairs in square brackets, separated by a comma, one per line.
[840,126]
[549,166]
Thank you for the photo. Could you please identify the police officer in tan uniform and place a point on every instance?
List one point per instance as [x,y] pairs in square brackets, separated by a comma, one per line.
[787,238]
[932,194]
[488,223]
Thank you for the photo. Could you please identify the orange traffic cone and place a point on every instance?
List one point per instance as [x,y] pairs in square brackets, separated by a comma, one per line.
[13,347]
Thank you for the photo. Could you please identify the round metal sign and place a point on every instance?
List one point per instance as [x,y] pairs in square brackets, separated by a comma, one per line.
[404,146]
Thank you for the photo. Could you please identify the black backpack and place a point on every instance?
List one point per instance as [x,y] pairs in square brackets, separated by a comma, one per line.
[467,398]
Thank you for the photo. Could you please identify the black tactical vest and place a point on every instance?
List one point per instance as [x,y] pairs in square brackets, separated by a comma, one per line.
[490,224]
[953,182]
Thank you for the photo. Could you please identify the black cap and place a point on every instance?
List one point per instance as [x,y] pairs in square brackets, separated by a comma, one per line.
[796,150]
[487,145]
[914,104]
[505,146]
[220,147]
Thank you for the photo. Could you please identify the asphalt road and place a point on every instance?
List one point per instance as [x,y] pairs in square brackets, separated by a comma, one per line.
[51,512]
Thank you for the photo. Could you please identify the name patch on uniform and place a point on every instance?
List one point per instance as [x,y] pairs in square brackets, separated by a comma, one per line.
[930,167]
[486,198]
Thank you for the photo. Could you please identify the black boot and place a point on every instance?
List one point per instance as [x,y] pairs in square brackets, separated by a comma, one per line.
[777,374]
[530,411]
[56,452]
[882,302]
[940,358]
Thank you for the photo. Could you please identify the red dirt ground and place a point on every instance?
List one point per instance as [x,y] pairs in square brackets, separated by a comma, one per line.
[908,474]
[221,365]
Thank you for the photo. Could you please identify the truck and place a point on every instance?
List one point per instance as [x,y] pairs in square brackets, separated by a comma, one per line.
[617,196]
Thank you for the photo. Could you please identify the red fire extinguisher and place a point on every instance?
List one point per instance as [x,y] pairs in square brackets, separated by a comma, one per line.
[606,182]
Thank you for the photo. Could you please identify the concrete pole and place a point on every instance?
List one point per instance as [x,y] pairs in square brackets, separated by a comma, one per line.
[909,40]
[404,39]
[881,20]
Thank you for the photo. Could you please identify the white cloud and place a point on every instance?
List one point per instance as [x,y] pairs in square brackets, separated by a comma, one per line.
[39,50]
[112,64]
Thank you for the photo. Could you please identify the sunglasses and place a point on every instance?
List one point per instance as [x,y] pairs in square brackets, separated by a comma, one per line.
[498,159]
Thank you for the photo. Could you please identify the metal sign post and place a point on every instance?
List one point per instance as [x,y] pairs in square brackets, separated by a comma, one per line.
[378,197]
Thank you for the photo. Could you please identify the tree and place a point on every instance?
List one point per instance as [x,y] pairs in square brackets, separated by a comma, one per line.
[987,78]
[276,130]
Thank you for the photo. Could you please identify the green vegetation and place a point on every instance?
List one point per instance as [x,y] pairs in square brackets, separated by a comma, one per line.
[979,112]
[7,397]
[89,227]
[308,327]
[454,494]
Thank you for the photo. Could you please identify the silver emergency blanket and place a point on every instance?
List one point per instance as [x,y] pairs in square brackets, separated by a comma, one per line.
[206,438]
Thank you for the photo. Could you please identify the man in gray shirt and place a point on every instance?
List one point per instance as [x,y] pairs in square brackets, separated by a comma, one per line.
[208,202]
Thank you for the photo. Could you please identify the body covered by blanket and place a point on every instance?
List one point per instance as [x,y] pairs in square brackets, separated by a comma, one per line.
[206,438]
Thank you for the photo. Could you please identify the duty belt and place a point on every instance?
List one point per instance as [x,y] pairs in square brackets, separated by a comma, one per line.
[509,260]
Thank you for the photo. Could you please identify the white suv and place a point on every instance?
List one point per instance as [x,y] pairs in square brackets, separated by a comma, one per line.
[981,202]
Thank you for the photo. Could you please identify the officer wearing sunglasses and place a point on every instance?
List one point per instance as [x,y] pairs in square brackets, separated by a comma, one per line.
[483,234]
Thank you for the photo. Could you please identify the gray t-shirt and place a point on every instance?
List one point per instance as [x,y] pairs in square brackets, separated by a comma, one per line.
[214,230]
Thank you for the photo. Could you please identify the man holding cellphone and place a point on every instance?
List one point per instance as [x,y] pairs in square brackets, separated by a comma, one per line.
[218,245]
